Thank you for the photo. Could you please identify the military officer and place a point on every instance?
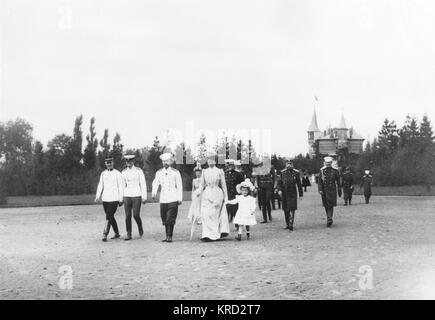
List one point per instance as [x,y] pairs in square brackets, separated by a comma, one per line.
[110,191]
[347,186]
[171,194]
[366,183]
[289,185]
[135,193]
[329,185]
[265,182]
[238,168]
[232,179]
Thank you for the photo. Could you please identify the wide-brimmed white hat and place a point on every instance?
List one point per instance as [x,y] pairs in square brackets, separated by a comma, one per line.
[245,184]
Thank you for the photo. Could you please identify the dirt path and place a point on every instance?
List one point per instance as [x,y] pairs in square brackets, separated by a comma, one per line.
[392,239]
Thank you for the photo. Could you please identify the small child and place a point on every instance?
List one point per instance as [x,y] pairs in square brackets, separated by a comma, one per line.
[245,216]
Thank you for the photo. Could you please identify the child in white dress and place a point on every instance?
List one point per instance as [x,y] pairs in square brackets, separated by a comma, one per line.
[245,216]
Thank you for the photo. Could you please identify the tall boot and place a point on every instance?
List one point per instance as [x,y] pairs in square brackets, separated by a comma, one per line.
[171,231]
[291,220]
[167,233]
[106,230]
[115,228]
[287,220]
[330,213]
[139,225]
[264,215]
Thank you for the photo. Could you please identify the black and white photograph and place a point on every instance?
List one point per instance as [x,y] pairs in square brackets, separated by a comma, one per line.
[194,151]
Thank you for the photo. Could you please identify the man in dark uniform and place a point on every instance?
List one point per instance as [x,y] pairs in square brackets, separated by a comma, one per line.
[289,185]
[329,185]
[232,179]
[366,183]
[347,186]
[305,181]
[265,182]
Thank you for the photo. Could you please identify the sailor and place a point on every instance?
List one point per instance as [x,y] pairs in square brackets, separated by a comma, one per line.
[171,194]
[110,191]
[135,194]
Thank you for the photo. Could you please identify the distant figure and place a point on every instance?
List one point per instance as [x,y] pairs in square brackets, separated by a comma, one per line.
[306,181]
[366,182]
[289,185]
[347,186]
[110,191]
[245,216]
[171,194]
[329,185]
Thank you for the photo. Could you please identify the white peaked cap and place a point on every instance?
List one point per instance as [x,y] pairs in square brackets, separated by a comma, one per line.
[367,171]
[166,156]
[328,159]
[129,156]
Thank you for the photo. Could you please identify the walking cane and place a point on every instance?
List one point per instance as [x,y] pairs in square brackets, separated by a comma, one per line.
[192,229]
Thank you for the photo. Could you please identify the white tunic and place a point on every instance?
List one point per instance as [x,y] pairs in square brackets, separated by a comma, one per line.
[134,182]
[111,186]
[172,187]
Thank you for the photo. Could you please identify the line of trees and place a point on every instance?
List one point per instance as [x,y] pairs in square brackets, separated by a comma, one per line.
[402,155]
[70,165]
[397,156]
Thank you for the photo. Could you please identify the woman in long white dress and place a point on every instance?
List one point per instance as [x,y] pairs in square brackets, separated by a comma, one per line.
[213,191]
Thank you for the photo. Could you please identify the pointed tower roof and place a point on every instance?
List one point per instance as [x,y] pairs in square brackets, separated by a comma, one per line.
[342,124]
[313,126]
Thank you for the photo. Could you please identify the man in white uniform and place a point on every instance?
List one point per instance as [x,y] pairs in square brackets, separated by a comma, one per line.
[110,191]
[171,194]
[135,193]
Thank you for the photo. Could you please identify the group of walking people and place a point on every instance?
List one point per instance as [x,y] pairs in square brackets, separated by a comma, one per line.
[219,197]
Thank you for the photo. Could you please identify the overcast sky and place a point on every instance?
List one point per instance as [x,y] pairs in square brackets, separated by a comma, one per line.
[144,66]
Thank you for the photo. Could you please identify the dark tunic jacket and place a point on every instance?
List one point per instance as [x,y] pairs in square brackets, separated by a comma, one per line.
[329,185]
[289,183]
[366,182]
[348,182]
[232,179]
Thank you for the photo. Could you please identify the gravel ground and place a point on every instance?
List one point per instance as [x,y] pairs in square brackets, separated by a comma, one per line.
[384,250]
